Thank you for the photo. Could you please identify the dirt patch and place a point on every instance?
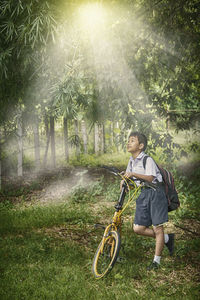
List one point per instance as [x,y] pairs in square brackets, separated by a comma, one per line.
[51,185]
[74,233]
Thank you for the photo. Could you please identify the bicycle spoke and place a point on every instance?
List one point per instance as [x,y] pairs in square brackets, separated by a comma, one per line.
[104,260]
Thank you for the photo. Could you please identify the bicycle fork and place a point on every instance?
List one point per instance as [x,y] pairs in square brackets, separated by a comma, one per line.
[115,225]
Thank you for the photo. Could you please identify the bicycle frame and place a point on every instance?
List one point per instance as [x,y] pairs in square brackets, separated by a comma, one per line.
[117,220]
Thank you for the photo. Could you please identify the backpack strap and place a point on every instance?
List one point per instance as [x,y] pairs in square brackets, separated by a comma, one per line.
[145,161]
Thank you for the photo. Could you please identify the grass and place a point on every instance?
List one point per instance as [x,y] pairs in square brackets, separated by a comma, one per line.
[21,219]
[49,265]
[46,252]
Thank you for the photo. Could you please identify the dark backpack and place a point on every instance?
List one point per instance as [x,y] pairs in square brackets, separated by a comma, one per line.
[170,190]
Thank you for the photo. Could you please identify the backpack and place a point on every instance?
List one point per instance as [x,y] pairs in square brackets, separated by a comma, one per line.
[170,190]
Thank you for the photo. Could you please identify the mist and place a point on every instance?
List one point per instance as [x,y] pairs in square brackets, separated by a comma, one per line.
[105,71]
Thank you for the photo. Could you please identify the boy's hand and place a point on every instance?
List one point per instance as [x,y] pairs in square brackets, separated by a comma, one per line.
[128,174]
[121,184]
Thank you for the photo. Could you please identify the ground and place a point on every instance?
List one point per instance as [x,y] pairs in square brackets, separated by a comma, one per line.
[49,239]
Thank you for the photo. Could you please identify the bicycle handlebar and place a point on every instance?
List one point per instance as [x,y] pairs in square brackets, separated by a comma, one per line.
[113,170]
[117,172]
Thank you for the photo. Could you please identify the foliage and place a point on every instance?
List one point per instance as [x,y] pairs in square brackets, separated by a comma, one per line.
[112,191]
[178,60]
[188,191]
[153,60]
[87,194]
[140,69]
[25,29]
[169,150]
[119,159]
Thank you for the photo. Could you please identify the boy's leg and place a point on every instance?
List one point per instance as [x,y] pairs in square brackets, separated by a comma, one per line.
[156,232]
[159,235]
[160,240]
[143,230]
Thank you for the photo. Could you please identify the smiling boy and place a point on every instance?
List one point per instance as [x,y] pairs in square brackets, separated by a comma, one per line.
[151,205]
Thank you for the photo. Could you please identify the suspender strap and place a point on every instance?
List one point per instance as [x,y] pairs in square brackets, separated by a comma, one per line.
[145,161]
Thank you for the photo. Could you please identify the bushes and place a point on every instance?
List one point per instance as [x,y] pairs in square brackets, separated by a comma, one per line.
[188,191]
[89,193]
[118,159]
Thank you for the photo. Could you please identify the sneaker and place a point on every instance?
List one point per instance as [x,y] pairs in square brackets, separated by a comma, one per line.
[153,266]
[120,259]
[170,244]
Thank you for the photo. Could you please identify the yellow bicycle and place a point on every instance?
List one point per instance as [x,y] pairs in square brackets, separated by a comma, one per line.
[109,247]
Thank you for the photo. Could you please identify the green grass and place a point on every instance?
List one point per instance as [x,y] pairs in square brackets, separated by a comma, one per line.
[44,265]
[22,219]
[46,252]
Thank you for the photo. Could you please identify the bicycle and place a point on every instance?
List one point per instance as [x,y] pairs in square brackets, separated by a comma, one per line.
[108,250]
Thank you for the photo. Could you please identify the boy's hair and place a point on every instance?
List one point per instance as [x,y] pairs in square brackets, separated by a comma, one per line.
[142,139]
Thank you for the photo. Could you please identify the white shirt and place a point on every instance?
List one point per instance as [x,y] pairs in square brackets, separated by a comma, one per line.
[151,169]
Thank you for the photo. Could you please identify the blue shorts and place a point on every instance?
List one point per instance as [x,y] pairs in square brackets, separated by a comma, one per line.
[151,207]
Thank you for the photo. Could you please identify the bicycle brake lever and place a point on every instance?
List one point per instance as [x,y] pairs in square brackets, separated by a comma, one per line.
[99,226]
[118,206]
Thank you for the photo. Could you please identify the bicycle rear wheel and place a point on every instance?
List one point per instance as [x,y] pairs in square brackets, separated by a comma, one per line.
[105,258]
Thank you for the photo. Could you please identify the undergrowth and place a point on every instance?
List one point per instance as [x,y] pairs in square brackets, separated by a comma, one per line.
[47,251]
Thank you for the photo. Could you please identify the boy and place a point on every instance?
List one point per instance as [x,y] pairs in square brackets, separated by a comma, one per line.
[151,205]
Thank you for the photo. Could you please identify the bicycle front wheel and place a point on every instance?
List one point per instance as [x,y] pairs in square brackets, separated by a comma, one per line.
[106,255]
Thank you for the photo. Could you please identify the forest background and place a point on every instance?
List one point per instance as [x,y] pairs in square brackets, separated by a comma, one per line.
[75,78]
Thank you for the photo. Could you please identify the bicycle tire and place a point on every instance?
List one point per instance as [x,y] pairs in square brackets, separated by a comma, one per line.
[104,262]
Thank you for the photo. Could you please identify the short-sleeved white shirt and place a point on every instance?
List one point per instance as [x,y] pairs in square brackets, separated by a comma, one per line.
[136,166]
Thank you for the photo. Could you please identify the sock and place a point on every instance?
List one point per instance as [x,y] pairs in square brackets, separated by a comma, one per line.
[157,259]
[166,237]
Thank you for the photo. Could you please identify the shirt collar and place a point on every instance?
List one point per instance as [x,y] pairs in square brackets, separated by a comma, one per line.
[140,156]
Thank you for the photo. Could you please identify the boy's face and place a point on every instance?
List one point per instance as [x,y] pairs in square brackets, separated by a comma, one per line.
[133,145]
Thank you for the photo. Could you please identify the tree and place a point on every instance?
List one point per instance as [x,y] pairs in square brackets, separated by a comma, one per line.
[84,136]
[25,29]
[20,144]
[0,161]
[52,138]
[66,145]
[36,143]
[143,62]
[172,60]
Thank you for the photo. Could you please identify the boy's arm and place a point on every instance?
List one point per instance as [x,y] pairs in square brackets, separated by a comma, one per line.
[148,178]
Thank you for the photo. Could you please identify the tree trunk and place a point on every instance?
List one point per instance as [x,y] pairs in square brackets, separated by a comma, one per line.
[53,150]
[168,120]
[101,138]
[84,136]
[0,164]
[46,123]
[20,146]
[96,138]
[36,144]
[66,144]
[104,139]
[111,135]
[46,150]
[167,123]
[116,136]
[77,135]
